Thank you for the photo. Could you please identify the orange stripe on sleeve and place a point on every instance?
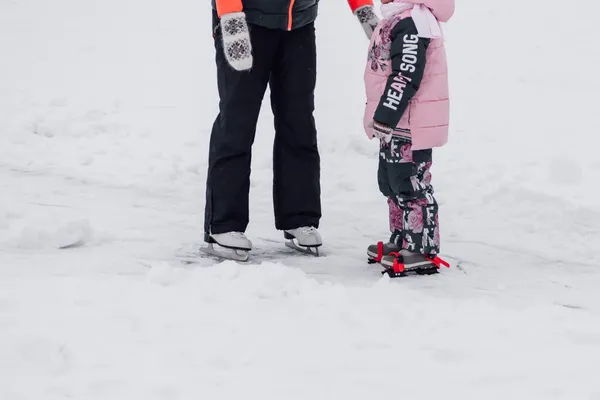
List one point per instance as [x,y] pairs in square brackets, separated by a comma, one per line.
[229,6]
[355,4]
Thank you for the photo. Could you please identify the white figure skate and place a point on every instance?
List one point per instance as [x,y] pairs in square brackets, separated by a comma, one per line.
[230,245]
[305,239]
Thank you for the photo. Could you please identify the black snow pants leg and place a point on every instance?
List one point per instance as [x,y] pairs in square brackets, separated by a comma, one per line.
[296,160]
[232,136]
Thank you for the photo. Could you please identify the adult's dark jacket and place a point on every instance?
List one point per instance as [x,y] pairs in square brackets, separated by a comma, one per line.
[280,14]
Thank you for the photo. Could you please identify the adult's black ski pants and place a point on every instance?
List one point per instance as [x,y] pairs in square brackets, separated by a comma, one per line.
[285,60]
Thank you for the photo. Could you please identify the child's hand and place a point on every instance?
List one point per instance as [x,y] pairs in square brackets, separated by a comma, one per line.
[382,132]
[368,19]
[236,41]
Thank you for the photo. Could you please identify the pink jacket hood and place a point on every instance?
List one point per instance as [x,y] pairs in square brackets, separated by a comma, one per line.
[442,9]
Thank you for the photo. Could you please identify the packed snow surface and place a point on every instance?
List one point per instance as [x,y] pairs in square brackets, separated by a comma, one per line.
[105,114]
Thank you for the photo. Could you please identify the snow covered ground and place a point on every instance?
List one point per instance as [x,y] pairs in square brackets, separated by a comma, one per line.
[105,114]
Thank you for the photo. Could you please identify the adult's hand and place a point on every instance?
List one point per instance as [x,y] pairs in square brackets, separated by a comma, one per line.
[365,12]
[236,41]
[236,35]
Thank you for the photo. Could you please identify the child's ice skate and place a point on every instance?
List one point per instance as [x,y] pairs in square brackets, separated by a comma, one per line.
[305,239]
[230,245]
[405,263]
[376,252]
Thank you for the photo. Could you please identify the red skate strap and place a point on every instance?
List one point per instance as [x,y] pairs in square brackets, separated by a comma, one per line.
[398,267]
[439,262]
[379,252]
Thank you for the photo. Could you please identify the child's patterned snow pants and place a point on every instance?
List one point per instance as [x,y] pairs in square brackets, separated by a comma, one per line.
[405,179]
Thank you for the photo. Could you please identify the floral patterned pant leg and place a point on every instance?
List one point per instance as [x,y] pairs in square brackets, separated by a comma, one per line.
[405,179]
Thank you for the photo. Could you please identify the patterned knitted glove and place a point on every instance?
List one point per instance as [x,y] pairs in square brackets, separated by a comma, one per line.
[382,132]
[368,19]
[236,41]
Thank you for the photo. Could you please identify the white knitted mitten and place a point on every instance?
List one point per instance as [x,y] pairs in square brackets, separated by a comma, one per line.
[368,19]
[236,41]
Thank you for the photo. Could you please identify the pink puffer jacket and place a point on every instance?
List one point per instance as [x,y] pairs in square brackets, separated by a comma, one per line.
[428,113]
